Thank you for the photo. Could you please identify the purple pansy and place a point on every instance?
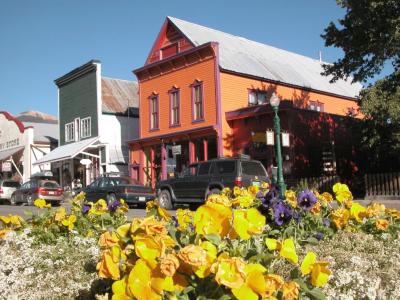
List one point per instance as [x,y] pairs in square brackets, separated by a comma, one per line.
[306,199]
[282,213]
[114,205]
[319,236]
[85,208]
[326,222]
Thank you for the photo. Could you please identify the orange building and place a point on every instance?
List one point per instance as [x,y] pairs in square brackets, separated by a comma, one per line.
[205,93]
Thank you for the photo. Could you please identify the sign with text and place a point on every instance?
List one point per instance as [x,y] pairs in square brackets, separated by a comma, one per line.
[176,150]
[285,139]
[269,137]
[6,166]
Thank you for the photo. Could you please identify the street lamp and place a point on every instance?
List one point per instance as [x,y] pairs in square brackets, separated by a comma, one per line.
[274,101]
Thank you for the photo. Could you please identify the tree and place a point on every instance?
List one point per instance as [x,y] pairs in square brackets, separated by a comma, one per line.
[369,35]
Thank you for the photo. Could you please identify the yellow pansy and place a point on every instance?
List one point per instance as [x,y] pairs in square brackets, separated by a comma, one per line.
[316,209]
[342,192]
[69,222]
[98,208]
[213,218]
[169,264]
[290,290]
[123,230]
[211,255]
[357,212]
[219,199]
[382,224]
[244,201]
[340,217]
[161,212]
[41,203]
[273,282]
[253,190]
[318,269]
[119,289]
[248,222]
[375,209]
[60,214]
[3,232]
[393,212]
[291,198]
[255,284]
[193,255]
[325,197]
[149,225]
[12,220]
[286,249]
[108,239]
[5,219]
[149,248]
[237,191]
[141,285]
[229,271]
[184,218]
[108,267]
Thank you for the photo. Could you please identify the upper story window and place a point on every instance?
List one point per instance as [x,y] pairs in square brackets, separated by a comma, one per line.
[69,132]
[257,97]
[154,112]
[86,127]
[170,50]
[198,101]
[316,106]
[174,95]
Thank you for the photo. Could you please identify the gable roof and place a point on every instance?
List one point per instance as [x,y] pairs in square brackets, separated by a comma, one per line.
[240,55]
[118,95]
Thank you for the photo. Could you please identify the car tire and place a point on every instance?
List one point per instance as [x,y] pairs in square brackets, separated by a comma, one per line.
[12,200]
[165,200]
[213,191]
[29,200]
[111,198]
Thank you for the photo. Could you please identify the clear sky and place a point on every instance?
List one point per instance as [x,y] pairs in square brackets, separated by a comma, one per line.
[42,40]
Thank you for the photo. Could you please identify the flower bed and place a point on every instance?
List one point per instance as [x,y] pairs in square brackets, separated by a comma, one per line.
[241,244]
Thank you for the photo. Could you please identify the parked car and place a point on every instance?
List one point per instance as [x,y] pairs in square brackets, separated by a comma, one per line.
[199,180]
[111,187]
[7,187]
[41,186]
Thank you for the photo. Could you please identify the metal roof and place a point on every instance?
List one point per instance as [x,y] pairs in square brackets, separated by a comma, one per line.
[66,151]
[118,95]
[238,54]
[43,132]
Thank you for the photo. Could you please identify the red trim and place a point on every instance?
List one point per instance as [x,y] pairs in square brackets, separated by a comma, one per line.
[220,149]
[158,41]
[171,102]
[194,85]
[20,125]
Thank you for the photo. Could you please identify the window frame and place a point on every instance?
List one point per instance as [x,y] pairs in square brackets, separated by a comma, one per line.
[313,105]
[87,120]
[152,126]
[197,84]
[68,137]
[256,92]
[171,92]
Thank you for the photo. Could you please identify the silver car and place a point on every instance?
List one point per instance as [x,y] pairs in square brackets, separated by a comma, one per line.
[7,188]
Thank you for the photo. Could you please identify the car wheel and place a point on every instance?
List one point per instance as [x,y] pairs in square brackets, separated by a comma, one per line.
[213,191]
[165,200]
[111,198]
[12,200]
[29,200]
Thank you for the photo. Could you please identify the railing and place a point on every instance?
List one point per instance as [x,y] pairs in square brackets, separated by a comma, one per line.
[322,184]
[382,184]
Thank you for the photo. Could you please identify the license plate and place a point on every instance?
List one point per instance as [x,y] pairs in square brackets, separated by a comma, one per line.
[51,193]
[142,198]
[256,183]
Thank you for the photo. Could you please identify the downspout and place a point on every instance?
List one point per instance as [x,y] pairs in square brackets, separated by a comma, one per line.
[217,73]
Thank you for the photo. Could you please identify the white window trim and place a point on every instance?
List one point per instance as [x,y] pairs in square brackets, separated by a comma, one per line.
[86,122]
[69,127]
[77,130]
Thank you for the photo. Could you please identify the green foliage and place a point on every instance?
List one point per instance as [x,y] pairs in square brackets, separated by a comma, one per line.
[369,36]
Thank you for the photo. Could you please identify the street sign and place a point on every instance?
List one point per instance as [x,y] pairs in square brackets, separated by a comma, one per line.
[269,136]
[285,139]
[85,161]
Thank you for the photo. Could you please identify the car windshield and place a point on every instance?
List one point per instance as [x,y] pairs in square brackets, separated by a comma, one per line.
[49,184]
[13,184]
[253,168]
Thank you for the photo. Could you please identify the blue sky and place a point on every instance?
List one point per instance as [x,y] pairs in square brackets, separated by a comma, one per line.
[42,40]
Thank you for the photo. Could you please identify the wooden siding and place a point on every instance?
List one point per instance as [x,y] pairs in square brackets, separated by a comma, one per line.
[181,79]
[78,99]
[234,95]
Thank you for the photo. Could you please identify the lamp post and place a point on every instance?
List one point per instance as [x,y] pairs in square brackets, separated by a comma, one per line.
[274,101]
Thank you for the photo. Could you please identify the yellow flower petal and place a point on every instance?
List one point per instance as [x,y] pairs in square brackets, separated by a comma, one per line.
[288,251]
[244,293]
[320,274]
[272,244]
[308,262]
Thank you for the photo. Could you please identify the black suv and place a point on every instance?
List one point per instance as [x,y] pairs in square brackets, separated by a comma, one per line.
[201,179]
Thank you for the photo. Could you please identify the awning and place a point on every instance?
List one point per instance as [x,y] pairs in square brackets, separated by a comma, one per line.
[5,154]
[66,152]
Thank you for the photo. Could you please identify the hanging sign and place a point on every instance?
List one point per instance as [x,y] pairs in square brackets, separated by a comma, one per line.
[285,139]
[269,137]
[6,166]
[176,150]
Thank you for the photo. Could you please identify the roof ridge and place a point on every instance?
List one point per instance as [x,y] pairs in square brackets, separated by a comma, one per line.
[112,78]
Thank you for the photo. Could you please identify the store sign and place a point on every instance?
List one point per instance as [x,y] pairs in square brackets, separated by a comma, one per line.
[6,166]
[9,144]
[269,137]
[285,139]
[176,150]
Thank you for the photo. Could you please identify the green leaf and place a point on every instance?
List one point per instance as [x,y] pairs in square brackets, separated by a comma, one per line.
[213,238]
[317,294]
[302,284]
[312,241]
